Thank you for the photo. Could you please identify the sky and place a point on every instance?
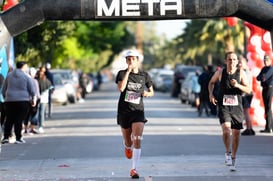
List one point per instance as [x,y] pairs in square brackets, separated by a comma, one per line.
[171,28]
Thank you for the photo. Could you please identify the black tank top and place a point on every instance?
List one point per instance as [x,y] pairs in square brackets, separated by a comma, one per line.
[226,88]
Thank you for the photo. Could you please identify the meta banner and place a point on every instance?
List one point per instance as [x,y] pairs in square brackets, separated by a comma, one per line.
[138,8]
[30,13]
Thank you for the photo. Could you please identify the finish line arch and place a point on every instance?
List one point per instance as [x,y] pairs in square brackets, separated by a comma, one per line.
[30,13]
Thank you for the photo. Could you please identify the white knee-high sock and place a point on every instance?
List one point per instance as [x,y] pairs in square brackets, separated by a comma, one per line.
[136,157]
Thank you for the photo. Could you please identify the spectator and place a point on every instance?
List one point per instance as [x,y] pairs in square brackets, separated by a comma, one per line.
[99,78]
[44,87]
[3,107]
[32,115]
[266,78]
[247,98]
[196,89]
[213,108]
[18,91]
[203,80]
[83,81]
[50,77]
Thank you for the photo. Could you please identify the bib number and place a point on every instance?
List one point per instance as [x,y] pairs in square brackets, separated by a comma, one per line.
[230,100]
[132,97]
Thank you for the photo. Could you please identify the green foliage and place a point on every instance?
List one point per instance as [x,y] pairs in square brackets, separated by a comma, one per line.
[203,38]
[83,45]
[46,40]
[92,45]
[105,39]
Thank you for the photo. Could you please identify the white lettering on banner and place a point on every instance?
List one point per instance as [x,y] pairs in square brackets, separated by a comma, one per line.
[102,7]
[164,7]
[132,7]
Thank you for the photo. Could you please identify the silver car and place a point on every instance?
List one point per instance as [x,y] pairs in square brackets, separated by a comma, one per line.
[186,94]
[71,82]
[60,94]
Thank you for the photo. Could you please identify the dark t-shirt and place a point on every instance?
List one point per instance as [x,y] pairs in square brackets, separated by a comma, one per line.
[203,80]
[131,98]
[266,76]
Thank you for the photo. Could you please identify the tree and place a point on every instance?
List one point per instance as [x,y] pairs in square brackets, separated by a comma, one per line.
[203,38]
[84,45]
[42,43]
[104,39]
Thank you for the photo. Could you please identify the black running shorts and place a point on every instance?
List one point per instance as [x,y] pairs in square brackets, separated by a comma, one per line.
[125,120]
[232,114]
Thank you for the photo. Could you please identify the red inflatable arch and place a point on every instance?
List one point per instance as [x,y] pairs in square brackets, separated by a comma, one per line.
[259,44]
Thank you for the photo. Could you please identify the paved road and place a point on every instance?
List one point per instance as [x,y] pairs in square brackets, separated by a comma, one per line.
[82,142]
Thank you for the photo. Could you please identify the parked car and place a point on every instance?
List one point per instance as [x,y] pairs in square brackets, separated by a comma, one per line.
[59,95]
[186,94]
[71,82]
[98,79]
[180,73]
[162,80]
[152,72]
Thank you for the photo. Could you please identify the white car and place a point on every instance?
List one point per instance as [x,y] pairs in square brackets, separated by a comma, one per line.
[59,95]
[162,80]
[70,80]
[186,94]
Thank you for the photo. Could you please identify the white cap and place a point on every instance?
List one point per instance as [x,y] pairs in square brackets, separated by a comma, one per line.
[48,65]
[132,53]
[32,71]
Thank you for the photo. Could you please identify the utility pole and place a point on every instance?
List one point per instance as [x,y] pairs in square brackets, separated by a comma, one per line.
[139,37]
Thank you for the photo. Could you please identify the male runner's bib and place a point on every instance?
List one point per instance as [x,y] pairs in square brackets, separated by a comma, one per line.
[230,100]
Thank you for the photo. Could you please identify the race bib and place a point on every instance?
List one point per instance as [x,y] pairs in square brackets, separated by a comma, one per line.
[230,100]
[132,97]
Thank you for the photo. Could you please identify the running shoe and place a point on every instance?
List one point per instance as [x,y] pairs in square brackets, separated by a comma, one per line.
[252,131]
[245,132]
[41,130]
[20,141]
[128,152]
[4,141]
[232,168]
[248,132]
[33,131]
[228,160]
[134,174]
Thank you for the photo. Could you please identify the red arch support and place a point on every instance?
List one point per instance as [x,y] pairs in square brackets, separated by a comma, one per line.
[9,4]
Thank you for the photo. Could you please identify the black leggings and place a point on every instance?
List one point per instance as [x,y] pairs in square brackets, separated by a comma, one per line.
[16,113]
